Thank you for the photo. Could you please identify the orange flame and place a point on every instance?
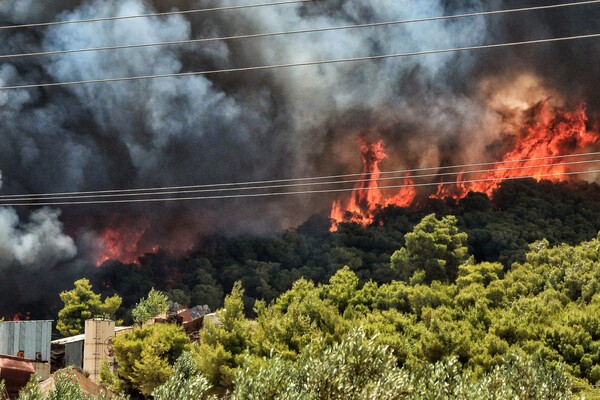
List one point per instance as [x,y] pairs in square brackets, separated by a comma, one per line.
[548,132]
[122,244]
[21,316]
[366,197]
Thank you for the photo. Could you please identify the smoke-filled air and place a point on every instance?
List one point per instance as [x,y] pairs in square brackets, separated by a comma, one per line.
[406,114]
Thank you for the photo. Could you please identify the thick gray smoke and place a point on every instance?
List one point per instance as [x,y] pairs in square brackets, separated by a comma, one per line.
[246,126]
[38,243]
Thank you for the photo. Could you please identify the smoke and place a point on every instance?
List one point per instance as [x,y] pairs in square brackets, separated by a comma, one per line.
[37,243]
[257,125]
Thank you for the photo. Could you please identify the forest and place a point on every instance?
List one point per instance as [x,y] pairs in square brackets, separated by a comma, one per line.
[498,230]
[475,298]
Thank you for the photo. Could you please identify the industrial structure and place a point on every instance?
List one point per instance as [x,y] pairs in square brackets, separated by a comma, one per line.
[69,351]
[97,346]
[24,350]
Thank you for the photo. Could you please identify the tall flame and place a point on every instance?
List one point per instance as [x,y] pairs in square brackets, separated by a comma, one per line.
[367,197]
[548,132]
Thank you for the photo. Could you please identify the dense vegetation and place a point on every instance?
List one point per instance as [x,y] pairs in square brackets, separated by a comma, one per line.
[499,230]
[455,328]
[481,299]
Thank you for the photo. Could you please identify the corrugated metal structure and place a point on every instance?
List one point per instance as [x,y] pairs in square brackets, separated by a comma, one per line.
[97,348]
[68,352]
[26,339]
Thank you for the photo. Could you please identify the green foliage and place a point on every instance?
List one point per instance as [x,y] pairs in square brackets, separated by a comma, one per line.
[146,356]
[514,378]
[81,304]
[109,380]
[436,247]
[223,344]
[66,388]
[154,304]
[185,384]
[341,288]
[300,315]
[2,388]
[355,368]
[359,368]
[31,391]
[536,309]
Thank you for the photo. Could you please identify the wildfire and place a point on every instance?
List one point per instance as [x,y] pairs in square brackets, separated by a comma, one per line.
[546,133]
[21,316]
[366,197]
[122,244]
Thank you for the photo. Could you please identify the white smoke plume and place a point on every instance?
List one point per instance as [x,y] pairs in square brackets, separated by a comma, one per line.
[37,243]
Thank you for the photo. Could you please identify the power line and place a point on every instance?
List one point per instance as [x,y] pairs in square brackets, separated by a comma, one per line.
[158,14]
[250,195]
[295,32]
[159,190]
[436,175]
[306,63]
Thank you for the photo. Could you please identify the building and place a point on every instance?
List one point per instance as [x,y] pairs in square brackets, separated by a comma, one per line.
[28,340]
[69,351]
[24,350]
[191,319]
[15,372]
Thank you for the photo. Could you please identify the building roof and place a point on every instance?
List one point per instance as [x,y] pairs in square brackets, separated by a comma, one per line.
[79,338]
[84,382]
[70,339]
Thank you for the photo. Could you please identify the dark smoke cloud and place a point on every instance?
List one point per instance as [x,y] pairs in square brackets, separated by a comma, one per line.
[259,125]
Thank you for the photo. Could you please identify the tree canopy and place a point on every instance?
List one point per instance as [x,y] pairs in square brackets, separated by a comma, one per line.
[81,304]
[152,305]
[146,355]
[435,247]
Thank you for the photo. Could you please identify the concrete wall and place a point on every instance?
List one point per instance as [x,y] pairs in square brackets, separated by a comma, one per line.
[32,338]
[97,348]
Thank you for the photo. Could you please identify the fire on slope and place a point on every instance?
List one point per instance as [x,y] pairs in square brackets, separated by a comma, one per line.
[128,238]
[367,196]
[122,242]
[548,132]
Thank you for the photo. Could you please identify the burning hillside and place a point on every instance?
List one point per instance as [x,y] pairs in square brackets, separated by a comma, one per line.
[270,124]
[539,150]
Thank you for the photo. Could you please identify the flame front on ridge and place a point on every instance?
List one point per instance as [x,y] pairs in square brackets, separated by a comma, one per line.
[547,132]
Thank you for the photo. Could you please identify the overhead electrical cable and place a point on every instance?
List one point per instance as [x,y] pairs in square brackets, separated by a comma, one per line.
[294,185]
[295,32]
[303,64]
[301,192]
[157,14]
[159,190]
